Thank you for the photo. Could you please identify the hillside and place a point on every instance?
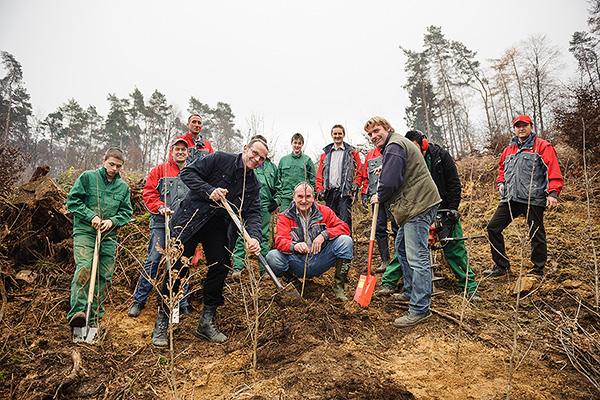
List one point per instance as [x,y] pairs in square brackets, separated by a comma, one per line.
[321,348]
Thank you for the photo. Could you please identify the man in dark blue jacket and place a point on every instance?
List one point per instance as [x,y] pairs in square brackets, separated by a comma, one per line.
[201,219]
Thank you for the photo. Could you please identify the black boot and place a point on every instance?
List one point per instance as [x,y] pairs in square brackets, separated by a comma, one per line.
[206,326]
[289,277]
[384,253]
[160,337]
[342,267]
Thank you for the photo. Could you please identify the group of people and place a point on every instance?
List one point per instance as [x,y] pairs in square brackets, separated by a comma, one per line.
[416,183]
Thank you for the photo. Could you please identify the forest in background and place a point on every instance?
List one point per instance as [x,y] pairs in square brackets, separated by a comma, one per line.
[459,101]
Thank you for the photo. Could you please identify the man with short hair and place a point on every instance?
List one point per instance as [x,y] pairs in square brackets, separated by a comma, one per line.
[294,168]
[307,229]
[339,175]
[370,181]
[201,218]
[163,180]
[197,145]
[99,199]
[529,181]
[270,189]
[407,189]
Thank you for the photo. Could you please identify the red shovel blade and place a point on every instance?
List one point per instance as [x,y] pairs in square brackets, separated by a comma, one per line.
[364,289]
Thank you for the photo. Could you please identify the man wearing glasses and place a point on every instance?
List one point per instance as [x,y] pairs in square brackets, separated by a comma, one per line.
[201,219]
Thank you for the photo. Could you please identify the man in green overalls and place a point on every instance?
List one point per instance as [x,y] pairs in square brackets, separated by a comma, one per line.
[99,199]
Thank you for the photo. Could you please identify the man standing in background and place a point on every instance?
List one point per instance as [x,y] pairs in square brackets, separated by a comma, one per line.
[294,168]
[198,147]
[339,175]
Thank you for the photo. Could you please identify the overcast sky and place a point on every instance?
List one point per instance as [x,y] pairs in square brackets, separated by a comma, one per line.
[303,66]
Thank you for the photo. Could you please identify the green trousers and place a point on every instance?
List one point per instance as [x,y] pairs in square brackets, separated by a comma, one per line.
[239,252]
[83,252]
[456,256]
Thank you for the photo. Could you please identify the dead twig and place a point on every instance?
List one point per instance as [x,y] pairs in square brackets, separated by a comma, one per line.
[73,375]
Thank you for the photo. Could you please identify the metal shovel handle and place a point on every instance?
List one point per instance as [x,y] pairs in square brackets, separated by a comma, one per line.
[247,238]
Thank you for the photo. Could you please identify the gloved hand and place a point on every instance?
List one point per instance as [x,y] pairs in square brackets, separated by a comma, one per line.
[354,188]
[321,195]
[365,201]
[453,216]
[272,206]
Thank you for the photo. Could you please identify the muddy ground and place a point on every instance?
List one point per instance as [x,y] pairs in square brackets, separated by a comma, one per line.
[323,348]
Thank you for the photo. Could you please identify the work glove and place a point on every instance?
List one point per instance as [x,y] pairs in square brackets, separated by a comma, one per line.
[321,195]
[354,188]
[365,201]
[453,215]
[272,206]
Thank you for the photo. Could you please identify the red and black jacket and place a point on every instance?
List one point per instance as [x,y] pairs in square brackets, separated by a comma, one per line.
[321,221]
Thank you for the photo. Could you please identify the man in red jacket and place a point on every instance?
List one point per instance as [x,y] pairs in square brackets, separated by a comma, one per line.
[161,176]
[307,229]
[529,181]
[198,147]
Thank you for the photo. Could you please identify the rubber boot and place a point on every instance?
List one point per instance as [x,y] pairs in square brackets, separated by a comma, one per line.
[160,337]
[289,277]
[342,267]
[384,253]
[207,328]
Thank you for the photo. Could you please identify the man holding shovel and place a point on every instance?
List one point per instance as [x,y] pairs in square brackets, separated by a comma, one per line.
[307,229]
[406,187]
[100,200]
[201,219]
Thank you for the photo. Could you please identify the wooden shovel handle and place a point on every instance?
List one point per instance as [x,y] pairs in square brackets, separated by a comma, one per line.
[94,265]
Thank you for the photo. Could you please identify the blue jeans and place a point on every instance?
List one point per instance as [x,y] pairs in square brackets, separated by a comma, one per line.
[340,247]
[144,287]
[413,253]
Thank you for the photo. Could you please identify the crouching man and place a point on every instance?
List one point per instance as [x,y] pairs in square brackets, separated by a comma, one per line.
[307,229]
[99,199]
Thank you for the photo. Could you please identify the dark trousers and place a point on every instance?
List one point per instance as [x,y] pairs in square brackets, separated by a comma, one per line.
[505,213]
[213,236]
[340,206]
[381,224]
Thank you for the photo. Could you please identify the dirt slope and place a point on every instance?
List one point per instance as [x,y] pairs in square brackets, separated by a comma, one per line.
[324,348]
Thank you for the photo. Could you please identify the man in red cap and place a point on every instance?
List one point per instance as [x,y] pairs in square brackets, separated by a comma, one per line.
[529,181]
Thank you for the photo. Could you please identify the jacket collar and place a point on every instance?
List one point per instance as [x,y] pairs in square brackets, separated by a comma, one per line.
[525,145]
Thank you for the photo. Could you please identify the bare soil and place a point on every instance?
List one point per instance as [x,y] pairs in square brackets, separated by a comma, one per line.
[323,348]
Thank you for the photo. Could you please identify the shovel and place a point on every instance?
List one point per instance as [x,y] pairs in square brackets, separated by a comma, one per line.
[289,290]
[87,333]
[366,283]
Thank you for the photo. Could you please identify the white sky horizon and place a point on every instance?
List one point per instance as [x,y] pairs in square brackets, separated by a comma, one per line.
[302,67]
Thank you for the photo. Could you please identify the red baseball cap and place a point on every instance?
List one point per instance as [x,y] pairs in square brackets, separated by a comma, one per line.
[523,118]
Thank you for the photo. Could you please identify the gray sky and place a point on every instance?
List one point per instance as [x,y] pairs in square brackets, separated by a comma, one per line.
[301,66]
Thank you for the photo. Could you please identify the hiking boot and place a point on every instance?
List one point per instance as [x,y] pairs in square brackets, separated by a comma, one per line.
[386,290]
[536,272]
[410,319]
[384,253]
[473,296]
[496,271]
[77,320]
[289,277]
[207,328]
[342,267]
[160,336]
[236,273]
[401,297]
[185,310]
[135,309]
